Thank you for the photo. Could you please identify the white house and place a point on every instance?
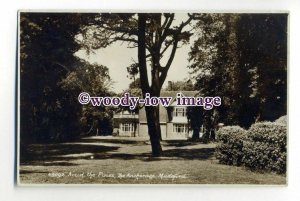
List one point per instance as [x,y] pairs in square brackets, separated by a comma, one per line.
[173,120]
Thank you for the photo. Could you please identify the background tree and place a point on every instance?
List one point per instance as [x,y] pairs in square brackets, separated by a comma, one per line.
[242,59]
[180,86]
[214,64]
[195,119]
[133,70]
[134,89]
[52,77]
[46,56]
[262,43]
[95,80]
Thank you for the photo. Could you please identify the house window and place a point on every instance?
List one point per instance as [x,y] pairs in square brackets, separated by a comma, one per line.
[127,127]
[180,128]
[180,112]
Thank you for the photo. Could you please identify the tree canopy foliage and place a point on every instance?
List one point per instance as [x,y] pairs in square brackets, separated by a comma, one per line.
[52,77]
[243,59]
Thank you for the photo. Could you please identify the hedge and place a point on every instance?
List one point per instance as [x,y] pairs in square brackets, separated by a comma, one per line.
[282,120]
[262,147]
[230,144]
[265,147]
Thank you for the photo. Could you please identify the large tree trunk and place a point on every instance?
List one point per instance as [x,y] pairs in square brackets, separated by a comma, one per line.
[195,135]
[152,113]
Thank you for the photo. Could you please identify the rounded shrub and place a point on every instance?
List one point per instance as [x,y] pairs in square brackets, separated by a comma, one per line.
[229,149]
[282,120]
[265,147]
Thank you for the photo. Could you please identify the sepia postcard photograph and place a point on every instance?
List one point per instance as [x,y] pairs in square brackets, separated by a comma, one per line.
[152,98]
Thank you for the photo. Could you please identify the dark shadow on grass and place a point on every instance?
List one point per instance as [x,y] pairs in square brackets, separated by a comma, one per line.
[196,154]
[38,154]
[31,172]
[179,143]
[61,154]
[171,154]
[115,141]
[51,162]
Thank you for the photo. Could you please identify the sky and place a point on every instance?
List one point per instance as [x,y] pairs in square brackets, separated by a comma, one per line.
[117,57]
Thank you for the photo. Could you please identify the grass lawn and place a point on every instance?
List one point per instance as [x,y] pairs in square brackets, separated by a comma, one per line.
[109,160]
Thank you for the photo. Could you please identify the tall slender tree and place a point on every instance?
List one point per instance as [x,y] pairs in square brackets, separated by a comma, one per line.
[153,34]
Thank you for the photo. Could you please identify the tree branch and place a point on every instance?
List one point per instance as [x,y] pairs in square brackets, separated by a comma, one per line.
[166,47]
[119,29]
[142,53]
[166,28]
[176,39]
[61,65]
[165,69]
[131,40]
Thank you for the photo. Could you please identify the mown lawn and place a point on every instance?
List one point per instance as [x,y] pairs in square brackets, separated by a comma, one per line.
[108,160]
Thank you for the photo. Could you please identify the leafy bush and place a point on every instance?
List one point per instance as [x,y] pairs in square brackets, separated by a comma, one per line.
[265,147]
[230,145]
[282,120]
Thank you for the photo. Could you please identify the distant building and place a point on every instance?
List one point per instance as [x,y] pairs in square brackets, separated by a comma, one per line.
[173,120]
